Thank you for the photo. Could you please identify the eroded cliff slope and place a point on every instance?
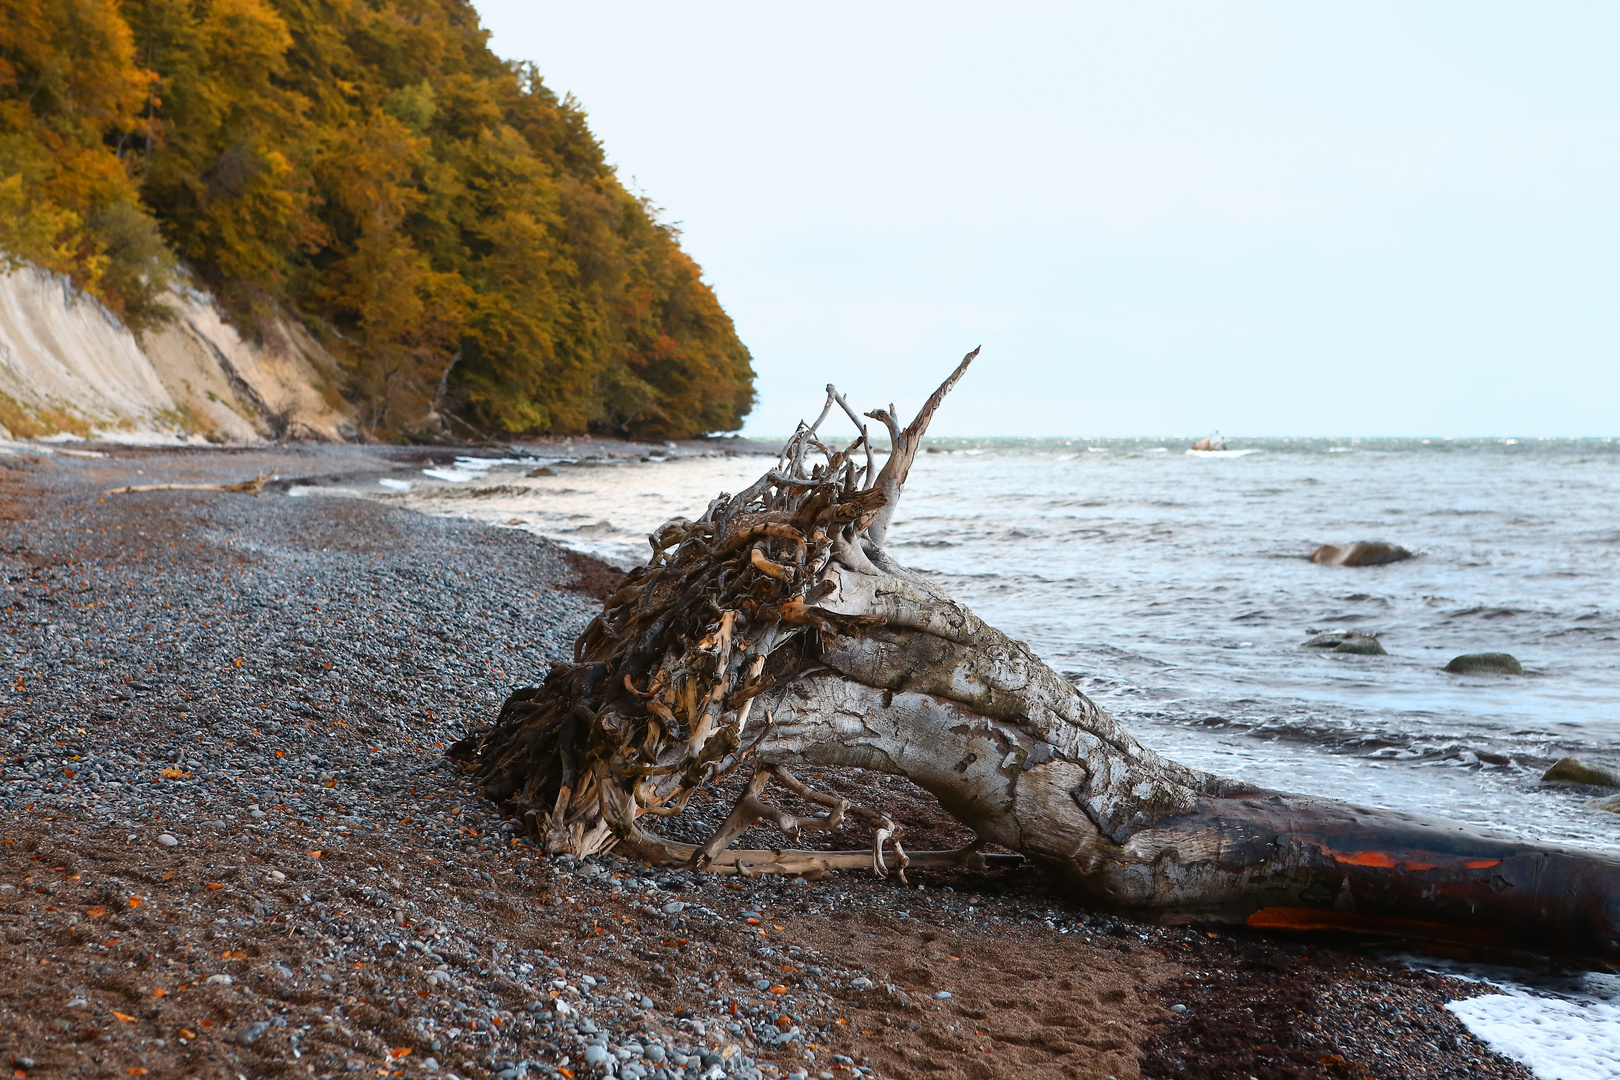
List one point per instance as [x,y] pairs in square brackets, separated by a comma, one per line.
[68,366]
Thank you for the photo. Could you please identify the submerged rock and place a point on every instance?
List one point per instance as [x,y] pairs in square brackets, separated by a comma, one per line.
[1609,803]
[1346,641]
[1360,553]
[1489,663]
[1573,770]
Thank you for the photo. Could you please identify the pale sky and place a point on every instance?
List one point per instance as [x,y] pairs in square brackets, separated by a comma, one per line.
[1272,219]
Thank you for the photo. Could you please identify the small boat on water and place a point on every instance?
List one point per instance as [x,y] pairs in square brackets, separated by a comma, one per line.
[1215,446]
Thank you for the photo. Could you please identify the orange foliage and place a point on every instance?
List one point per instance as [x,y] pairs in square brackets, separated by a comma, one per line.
[437,216]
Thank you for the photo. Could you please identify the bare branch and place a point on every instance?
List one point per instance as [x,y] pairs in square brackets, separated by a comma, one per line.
[856,420]
[825,409]
[904,450]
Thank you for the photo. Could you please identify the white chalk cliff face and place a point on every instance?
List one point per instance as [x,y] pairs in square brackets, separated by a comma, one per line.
[68,365]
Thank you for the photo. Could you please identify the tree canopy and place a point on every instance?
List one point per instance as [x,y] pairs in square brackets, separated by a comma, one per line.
[447,226]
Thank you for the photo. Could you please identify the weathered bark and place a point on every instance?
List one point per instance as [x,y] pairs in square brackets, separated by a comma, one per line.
[776,632]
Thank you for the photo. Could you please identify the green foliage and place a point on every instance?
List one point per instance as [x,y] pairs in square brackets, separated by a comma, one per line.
[448,225]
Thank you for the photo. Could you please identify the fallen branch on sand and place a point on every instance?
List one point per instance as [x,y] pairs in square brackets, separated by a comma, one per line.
[249,487]
[775,631]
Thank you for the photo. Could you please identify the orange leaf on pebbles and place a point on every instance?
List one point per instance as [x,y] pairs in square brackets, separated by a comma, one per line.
[134,901]
[215,885]
[96,912]
[315,854]
[124,1017]
[399,1052]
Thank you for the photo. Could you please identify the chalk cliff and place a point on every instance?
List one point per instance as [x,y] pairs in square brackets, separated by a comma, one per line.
[68,366]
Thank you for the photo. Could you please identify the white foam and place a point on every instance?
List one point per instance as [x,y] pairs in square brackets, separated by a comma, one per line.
[1556,1038]
[452,476]
[395,485]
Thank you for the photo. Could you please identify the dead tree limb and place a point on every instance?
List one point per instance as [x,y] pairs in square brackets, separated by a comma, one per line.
[253,487]
[774,631]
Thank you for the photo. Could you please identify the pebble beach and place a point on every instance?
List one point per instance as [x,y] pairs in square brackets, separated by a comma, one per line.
[231,844]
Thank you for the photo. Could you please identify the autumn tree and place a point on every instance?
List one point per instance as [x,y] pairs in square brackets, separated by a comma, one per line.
[448,227]
[72,99]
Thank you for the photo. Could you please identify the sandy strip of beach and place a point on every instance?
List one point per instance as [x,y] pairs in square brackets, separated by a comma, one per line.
[230,844]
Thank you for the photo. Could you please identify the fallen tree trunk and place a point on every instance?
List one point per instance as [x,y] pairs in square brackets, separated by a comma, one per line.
[254,487]
[774,632]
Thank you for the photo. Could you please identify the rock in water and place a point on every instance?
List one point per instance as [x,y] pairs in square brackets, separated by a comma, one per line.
[1488,663]
[1346,641]
[1572,770]
[1360,553]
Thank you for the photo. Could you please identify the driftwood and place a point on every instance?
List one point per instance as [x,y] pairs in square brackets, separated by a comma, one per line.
[774,632]
[254,487]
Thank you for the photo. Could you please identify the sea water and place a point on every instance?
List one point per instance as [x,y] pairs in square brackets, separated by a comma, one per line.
[1175,588]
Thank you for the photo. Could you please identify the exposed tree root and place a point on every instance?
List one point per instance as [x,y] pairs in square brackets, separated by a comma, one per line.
[775,632]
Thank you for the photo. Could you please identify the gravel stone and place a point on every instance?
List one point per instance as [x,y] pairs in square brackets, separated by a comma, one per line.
[272,683]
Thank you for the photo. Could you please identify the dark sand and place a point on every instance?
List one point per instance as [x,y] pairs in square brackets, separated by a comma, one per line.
[271,682]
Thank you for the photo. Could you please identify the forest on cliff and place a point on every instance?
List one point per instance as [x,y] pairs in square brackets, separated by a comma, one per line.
[447,227]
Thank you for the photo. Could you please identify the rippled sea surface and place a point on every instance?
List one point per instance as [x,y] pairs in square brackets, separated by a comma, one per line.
[1174,587]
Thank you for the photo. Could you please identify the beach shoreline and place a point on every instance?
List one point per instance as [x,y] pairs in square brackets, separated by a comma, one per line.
[269,682]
